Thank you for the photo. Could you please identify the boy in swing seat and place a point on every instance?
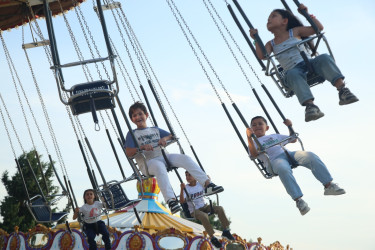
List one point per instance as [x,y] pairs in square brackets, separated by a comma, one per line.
[281,163]
[200,209]
[148,139]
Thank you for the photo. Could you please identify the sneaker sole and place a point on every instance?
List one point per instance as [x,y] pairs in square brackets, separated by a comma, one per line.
[214,192]
[176,211]
[305,211]
[336,193]
[348,101]
[314,117]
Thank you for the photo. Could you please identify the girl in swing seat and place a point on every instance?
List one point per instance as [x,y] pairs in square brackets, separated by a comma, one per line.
[288,31]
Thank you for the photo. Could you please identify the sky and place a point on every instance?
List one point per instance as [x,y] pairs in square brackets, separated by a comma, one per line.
[257,207]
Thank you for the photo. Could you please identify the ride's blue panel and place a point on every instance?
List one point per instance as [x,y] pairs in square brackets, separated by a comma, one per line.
[43,213]
[84,94]
[118,199]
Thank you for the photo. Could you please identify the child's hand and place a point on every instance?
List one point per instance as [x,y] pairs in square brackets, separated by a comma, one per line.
[302,7]
[253,32]
[147,147]
[162,141]
[249,132]
[288,122]
[182,186]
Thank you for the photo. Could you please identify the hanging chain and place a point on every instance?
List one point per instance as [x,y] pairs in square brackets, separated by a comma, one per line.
[14,74]
[194,51]
[154,75]
[237,46]
[13,127]
[6,128]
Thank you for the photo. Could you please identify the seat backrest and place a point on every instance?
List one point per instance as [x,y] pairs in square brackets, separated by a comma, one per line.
[81,103]
[120,199]
[41,211]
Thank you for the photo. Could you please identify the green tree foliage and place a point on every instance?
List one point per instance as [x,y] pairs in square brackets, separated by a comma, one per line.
[12,208]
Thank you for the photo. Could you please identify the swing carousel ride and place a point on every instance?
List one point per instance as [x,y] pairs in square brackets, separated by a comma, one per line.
[104,57]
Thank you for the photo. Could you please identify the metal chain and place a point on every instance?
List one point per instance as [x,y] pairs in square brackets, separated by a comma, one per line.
[6,128]
[13,127]
[85,68]
[226,41]
[201,50]
[122,68]
[194,51]
[14,74]
[237,46]
[154,75]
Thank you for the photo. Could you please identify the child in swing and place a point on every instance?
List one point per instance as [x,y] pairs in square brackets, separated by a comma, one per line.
[93,225]
[281,163]
[149,138]
[288,31]
[200,209]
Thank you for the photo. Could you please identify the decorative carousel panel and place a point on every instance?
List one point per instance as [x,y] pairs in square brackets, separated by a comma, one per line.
[135,240]
[39,237]
[200,243]
[65,240]
[172,239]
[16,241]
[3,238]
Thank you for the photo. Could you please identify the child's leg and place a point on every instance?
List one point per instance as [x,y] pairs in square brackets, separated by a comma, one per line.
[157,167]
[222,216]
[325,66]
[90,233]
[281,166]
[295,79]
[184,161]
[105,234]
[202,216]
[313,162]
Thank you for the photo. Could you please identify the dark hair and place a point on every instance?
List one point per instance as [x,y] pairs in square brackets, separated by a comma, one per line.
[137,105]
[90,190]
[258,117]
[293,21]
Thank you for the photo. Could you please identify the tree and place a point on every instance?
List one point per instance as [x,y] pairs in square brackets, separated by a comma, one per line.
[12,208]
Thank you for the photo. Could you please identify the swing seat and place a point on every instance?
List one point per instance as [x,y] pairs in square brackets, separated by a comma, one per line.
[312,80]
[83,95]
[42,212]
[115,197]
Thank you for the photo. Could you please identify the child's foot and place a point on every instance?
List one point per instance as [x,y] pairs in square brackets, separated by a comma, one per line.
[346,97]
[302,206]
[174,206]
[212,189]
[227,235]
[312,112]
[215,242]
[333,189]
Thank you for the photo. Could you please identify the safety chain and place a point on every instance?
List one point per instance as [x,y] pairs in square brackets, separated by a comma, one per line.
[201,50]
[194,51]
[237,46]
[13,127]
[6,128]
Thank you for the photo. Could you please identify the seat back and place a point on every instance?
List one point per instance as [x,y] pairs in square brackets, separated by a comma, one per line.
[82,94]
[41,211]
[120,199]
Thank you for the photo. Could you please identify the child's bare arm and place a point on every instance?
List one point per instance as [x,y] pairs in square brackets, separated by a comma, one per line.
[163,141]
[132,151]
[253,150]
[75,215]
[288,123]
[182,198]
[258,50]
[305,31]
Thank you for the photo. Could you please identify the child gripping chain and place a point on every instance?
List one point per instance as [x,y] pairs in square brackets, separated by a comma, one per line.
[200,209]
[281,163]
[288,31]
[148,139]
[93,225]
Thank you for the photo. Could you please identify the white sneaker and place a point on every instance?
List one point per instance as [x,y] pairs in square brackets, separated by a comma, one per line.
[333,189]
[302,206]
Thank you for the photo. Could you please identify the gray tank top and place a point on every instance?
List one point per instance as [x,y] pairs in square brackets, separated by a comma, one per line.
[292,57]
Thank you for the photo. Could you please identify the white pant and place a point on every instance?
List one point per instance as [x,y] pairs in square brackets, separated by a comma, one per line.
[158,167]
